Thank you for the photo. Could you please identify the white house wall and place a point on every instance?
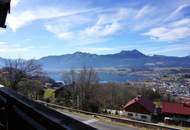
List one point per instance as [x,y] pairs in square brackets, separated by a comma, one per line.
[138,116]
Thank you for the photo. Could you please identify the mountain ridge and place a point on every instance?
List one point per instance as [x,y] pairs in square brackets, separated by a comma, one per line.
[121,52]
[126,58]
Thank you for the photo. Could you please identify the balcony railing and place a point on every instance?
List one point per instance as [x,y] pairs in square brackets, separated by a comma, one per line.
[19,113]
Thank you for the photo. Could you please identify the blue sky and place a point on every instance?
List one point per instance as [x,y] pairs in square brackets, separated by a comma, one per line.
[38,28]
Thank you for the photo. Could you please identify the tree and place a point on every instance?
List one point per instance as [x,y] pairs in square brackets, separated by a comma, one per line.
[49,95]
[30,88]
[82,85]
[87,79]
[149,93]
[24,76]
[64,96]
[86,93]
[70,79]
[17,70]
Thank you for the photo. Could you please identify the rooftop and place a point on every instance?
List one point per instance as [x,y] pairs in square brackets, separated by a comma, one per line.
[147,104]
[176,108]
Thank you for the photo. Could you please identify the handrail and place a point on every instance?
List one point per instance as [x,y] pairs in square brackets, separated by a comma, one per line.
[21,113]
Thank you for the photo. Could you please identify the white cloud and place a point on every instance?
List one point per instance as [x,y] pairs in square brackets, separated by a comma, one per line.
[145,24]
[102,30]
[12,48]
[107,24]
[145,18]
[97,24]
[61,31]
[152,17]
[144,11]
[168,48]
[112,16]
[171,30]
[168,34]
[83,30]
[14,3]
[64,32]
[176,12]
[182,22]
[19,19]
[3,43]
[78,37]
[111,29]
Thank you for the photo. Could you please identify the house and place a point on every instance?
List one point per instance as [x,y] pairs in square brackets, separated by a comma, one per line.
[4,9]
[184,99]
[58,84]
[60,91]
[176,113]
[139,108]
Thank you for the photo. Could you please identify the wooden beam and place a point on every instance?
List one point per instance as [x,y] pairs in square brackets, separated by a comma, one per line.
[4,10]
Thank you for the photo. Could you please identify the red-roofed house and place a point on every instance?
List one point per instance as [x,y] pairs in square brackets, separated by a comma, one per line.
[139,108]
[176,113]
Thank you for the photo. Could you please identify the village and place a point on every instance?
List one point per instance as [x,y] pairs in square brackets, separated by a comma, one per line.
[172,110]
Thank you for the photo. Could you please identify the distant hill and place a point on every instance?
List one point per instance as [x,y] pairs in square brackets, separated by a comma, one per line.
[110,66]
[126,59]
[2,61]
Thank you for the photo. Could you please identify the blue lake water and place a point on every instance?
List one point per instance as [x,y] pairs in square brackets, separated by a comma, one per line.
[106,77]
[111,77]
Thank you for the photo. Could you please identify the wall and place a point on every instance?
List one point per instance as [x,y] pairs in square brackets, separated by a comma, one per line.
[138,116]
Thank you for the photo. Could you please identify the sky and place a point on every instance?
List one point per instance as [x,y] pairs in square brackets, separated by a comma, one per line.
[37,28]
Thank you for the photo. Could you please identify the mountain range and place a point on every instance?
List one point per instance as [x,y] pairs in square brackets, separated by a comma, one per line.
[133,59]
[125,59]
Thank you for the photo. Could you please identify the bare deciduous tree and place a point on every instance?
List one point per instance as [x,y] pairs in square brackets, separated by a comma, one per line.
[82,85]
[30,88]
[16,70]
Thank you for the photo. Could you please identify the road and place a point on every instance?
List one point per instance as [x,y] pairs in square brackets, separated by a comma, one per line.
[97,123]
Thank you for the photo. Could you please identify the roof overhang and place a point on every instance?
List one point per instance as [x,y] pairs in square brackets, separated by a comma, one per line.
[4,10]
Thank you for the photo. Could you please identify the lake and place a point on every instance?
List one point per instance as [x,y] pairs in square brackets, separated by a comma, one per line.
[106,77]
